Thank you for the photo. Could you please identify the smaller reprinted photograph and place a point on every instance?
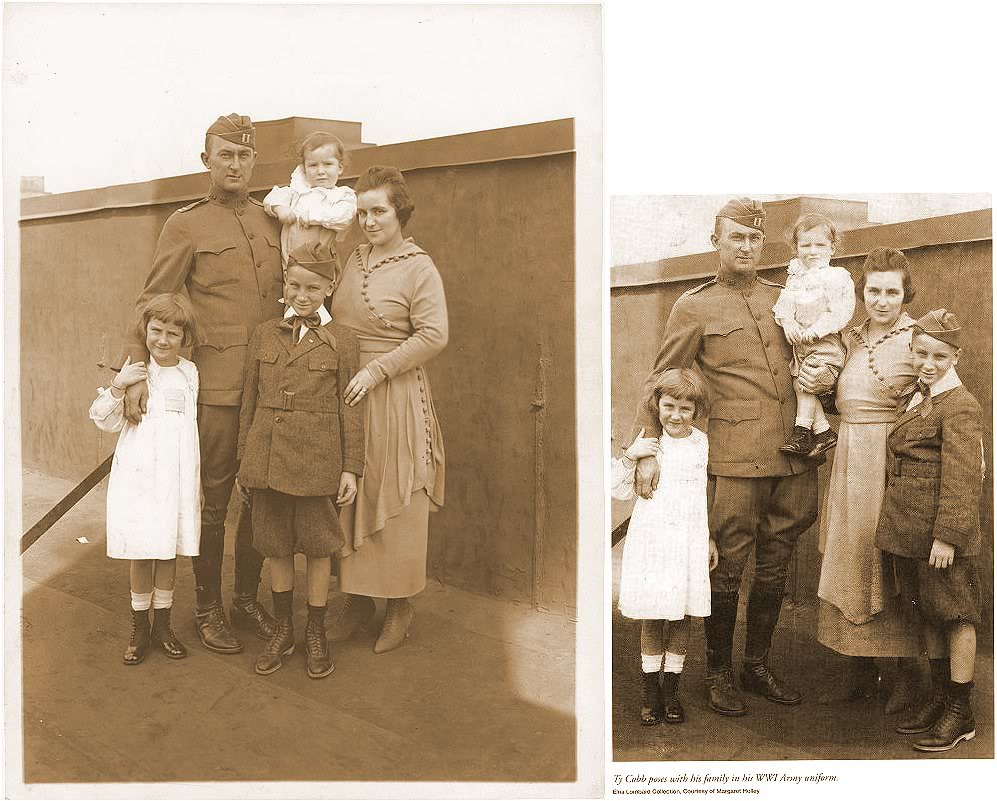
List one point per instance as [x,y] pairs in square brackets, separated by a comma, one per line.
[802,462]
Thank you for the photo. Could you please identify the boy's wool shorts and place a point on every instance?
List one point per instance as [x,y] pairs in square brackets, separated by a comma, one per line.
[284,525]
[940,596]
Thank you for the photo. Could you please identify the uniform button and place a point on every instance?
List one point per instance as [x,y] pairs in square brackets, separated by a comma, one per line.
[312,342]
[323,364]
[259,264]
[250,234]
[277,419]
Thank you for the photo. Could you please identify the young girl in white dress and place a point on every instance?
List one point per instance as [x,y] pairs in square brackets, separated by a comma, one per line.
[668,553]
[154,493]
[312,208]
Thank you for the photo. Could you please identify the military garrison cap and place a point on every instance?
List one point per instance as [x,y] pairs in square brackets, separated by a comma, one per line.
[317,258]
[940,324]
[235,128]
[745,211]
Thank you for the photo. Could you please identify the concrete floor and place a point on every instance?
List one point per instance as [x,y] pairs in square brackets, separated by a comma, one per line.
[770,731]
[483,690]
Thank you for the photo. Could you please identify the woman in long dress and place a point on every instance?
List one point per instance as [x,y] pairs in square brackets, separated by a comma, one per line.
[391,295]
[859,615]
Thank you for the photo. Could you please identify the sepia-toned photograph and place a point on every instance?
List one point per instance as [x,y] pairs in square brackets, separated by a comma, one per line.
[802,477]
[292,339]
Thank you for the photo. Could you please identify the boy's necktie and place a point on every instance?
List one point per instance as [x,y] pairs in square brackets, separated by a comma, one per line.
[312,321]
[925,404]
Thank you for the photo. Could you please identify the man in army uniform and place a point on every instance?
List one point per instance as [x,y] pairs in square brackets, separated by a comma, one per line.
[756,495]
[224,252]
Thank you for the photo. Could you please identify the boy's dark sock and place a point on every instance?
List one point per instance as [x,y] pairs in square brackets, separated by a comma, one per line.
[316,613]
[282,603]
[960,690]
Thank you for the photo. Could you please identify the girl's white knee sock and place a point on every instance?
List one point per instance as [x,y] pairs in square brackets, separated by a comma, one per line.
[650,663]
[674,662]
[161,599]
[141,601]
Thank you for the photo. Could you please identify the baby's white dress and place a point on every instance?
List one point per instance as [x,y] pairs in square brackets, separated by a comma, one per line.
[666,554]
[321,213]
[154,493]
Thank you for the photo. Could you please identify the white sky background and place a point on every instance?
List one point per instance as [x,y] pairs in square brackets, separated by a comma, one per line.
[96,95]
[650,227]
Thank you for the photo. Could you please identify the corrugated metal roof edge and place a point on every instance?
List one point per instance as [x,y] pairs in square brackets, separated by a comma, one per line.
[970,226]
[549,138]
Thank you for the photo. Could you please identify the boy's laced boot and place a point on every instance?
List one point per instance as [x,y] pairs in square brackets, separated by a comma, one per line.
[138,645]
[281,644]
[954,725]
[162,632]
[907,688]
[923,718]
[823,442]
[396,623]
[674,713]
[800,444]
[756,676]
[317,654]
[354,616]
[651,709]
[725,697]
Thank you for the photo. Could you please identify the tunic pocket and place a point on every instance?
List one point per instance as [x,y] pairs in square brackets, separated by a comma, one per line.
[914,433]
[213,265]
[725,344]
[734,431]
[220,356]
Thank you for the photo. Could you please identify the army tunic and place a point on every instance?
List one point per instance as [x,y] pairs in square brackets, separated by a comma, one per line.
[729,332]
[756,495]
[226,256]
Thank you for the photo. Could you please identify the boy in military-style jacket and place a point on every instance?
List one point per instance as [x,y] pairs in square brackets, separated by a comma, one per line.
[301,448]
[930,525]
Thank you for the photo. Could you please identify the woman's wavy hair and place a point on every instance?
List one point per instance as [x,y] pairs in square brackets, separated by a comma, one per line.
[390,179]
[173,309]
[886,260]
[681,384]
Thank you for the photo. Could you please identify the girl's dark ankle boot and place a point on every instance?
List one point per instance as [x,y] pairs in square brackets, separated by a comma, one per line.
[162,632]
[674,713]
[138,646]
[651,709]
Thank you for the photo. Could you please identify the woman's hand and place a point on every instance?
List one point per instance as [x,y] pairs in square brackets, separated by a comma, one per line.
[942,554]
[347,489]
[809,336]
[642,446]
[714,555]
[363,382]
